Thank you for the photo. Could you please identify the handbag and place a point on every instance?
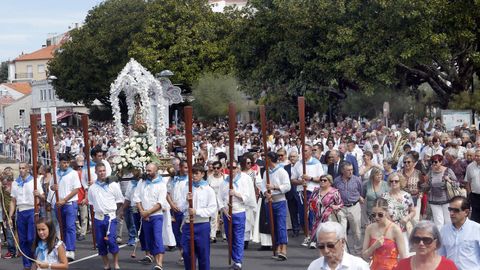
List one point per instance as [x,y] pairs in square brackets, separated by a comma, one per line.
[453,188]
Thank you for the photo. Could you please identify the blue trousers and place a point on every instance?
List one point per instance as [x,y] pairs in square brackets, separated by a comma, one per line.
[128,217]
[153,234]
[201,244]
[311,216]
[136,220]
[101,229]
[279,221]
[292,202]
[176,227]
[69,215]
[238,235]
[26,234]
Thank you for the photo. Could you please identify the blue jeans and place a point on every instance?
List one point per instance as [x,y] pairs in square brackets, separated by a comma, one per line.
[128,217]
[10,242]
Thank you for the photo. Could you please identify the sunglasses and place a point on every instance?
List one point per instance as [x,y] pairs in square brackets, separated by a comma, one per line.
[426,240]
[407,162]
[455,210]
[379,215]
[323,180]
[394,181]
[435,161]
[327,245]
[216,168]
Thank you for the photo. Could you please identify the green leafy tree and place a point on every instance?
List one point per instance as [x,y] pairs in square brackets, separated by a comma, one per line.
[186,37]
[331,48]
[4,71]
[87,65]
[213,93]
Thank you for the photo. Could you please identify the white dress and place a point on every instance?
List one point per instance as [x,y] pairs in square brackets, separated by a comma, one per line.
[51,257]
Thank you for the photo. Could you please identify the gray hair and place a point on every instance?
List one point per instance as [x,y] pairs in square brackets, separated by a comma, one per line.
[331,227]
[428,226]
[452,152]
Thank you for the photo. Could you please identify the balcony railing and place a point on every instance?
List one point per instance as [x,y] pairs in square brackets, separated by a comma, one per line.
[23,75]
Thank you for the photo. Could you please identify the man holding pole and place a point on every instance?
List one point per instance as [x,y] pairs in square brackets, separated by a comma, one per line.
[22,201]
[204,207]
[243,195]
[279,185]
[67,189]
[309,180]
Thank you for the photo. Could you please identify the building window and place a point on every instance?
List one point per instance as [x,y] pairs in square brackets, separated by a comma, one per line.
[21,113]
[42,94]
[29,71]
[41,69]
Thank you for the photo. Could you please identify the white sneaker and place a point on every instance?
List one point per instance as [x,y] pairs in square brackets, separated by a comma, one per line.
[70,255]
[306,242]
[313,245]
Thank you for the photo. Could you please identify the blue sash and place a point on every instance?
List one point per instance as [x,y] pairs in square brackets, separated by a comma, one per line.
[20,181]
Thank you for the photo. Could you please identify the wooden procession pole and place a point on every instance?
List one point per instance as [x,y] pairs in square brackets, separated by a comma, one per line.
[232,115]
[301,115]
[188,110]
[86,148]
[263,120]
[48,124]
[34,138]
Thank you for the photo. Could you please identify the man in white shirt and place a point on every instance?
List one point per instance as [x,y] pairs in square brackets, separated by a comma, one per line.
[242,195]
[67,187]
[107,200]
[331,242]
[275,193]
[472,178]
[310,179]
[204,207]
[150,198]
[23,203]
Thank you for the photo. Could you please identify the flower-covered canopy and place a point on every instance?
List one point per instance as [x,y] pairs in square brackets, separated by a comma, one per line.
[138,83]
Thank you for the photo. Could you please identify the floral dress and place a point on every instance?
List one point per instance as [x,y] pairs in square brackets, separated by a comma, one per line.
[321,206]
[399,208]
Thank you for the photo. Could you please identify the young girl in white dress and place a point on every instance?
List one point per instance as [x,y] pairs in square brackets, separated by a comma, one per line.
[49,250]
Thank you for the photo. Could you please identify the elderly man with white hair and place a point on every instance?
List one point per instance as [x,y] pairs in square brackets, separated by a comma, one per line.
[331,242]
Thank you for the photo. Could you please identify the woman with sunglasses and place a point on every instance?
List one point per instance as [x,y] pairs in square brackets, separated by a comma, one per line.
[412,177]
[383,242]
[425,240]
[436,186]
[400,204]
[325,202]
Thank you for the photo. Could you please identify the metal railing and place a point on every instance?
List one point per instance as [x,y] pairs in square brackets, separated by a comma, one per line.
[23,75]
[18,152]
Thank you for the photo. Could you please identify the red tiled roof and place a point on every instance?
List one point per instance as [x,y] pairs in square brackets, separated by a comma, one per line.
[43,53]
[6,100]
[22,87]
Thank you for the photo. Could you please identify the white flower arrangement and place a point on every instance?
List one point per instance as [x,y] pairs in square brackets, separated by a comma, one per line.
[135,156]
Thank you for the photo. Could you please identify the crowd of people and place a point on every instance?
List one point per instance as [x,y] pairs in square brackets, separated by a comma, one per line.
[372,194]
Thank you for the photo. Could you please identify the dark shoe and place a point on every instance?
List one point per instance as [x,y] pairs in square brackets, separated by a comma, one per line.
[157,267]
[146,260]
[281,257]
[213,240]
[245,245]
[171,248]
[264,248]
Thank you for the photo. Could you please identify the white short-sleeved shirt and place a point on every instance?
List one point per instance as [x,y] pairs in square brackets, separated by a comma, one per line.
[176,188]
[67,182]
[279,177]
[24,195]
[313,170]
[204,203]
[243,185]
[131,190]
[473,177]
[349,262]
[105,198]
[151,194]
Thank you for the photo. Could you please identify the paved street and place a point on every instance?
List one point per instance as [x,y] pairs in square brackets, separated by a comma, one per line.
[298,258]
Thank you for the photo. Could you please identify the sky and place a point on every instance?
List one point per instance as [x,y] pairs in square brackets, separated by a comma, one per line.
[26,24]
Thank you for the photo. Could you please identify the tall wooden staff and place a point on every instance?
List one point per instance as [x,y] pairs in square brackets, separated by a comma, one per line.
[232,115]
[263,119]
[86,148]
[34,138]
[301,115]
[48,122]
[188,110]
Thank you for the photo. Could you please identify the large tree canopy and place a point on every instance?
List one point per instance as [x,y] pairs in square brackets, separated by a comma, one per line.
[321,49]
[183,36]
[86,65]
